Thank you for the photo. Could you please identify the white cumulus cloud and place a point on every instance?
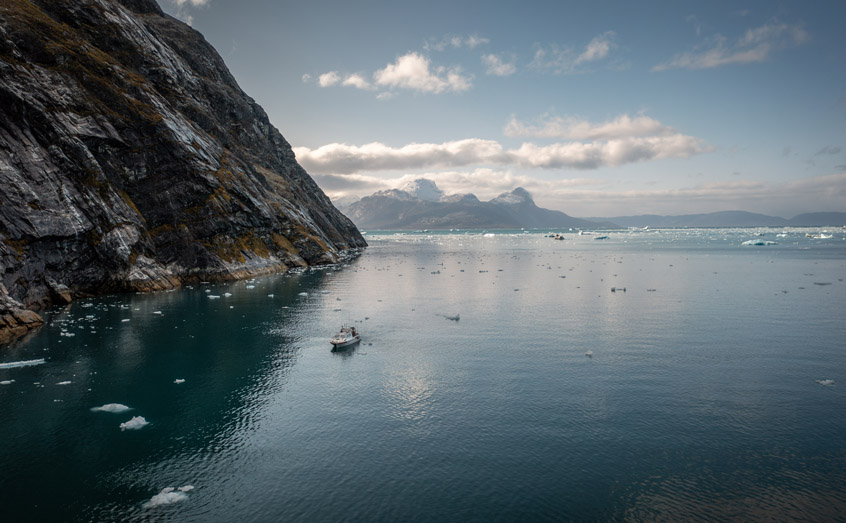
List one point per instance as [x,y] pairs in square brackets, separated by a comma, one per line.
[414,71]
[756,45]
[337,158]
[328,79]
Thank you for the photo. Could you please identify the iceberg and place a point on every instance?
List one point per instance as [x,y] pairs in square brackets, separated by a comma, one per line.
[111,407]
[168,495]
[825,383]
[759,242]
[24,363]
[135,423]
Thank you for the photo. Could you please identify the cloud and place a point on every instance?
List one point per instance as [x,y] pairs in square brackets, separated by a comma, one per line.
[328,79]
[413,71]
[756,45]
[357,81]
[598,48]
[455,42]
[485,183]
[306,78]
[828,150]
[337,158]
[577,155]
[497,67]
[183,5]
[571,128]
[566,60]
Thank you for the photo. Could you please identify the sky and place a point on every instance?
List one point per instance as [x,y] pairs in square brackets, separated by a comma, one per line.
[596,108]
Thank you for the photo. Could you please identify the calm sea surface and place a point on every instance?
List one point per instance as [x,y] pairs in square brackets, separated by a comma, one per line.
[700,392]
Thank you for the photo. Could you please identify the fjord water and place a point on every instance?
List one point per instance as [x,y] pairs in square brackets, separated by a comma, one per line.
[704,394]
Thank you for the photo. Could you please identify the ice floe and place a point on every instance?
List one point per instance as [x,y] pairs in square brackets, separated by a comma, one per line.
[178,381]
[825,383]
[7,382]
[111,407]
[24,363]
[135,423]
[303,294]
[214,297]
[169,495]
[759,242]
[64,383]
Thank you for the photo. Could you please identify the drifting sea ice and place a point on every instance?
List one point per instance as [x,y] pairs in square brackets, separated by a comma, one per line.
[24,363]
[759,242]
[178,381]
[825,383]
[7,382]
[135,423]
[111,407]
[64,383]
[303,294]
[169,495]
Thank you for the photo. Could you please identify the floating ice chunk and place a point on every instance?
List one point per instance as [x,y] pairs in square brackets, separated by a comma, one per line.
[251,286]
[759,242]
[135,423]
[7,382]
[324,292]
[24,363]
[64,383]
[214,297]
[186,488]
[825,383]
[303,294]
[157,312]
[114,408]
[270,295]
[167,496]
[178,381]
[124,320]
[227,294]
[589,354]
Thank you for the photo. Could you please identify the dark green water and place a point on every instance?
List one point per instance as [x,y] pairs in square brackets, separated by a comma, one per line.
[700,399]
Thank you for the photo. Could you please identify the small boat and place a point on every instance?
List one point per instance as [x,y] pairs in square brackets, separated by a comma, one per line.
[346,337]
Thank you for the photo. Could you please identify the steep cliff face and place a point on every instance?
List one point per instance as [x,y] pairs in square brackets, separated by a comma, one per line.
[131,160]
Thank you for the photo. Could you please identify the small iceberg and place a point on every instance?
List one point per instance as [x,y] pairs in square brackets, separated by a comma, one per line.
[825,383]
[178,381]
[64,383]
[589,354]
[111,407]
[7,382]
[214,297]
[169,495]
[759,242]
[24,363]
[302,294]
[138,422]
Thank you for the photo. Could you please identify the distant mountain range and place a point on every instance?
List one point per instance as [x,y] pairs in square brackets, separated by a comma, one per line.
[727,219]
[420,204]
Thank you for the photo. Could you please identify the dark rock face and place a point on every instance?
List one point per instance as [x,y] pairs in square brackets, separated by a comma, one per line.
[131,160]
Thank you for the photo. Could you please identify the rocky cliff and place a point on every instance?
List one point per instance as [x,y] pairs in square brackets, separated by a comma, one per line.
[131,160]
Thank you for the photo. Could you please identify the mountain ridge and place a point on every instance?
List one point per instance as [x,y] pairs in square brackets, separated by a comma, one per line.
[400,209]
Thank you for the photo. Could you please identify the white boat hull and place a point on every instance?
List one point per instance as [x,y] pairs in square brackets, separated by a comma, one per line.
[345,343]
